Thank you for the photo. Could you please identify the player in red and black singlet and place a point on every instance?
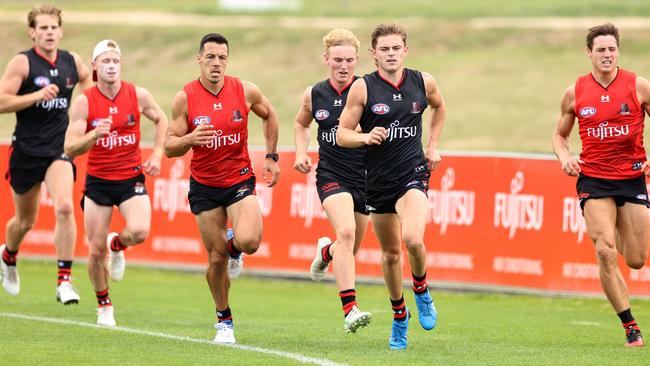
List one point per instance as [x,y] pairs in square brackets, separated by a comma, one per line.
[37,85]
[105,122]
[340,174]
[610,105]
[388,105]
[210,117]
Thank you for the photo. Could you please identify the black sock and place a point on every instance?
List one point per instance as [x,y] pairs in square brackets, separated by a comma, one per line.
[399,309]
[348,300]
[626,316]
[224,315]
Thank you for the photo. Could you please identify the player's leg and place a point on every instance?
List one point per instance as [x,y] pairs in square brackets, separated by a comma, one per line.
[26,206]
[212,226]
[59,180]
[387,229]
[246,233]
[634,239]
[411,209]
[137,215]
[600,218]
[97,219]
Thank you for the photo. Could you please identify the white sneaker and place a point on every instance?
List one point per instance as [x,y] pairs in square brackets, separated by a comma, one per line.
[235,265]
[225,332]
[67,294]
[105,316]
[319,266]
[116,260]
[356,319]
[9,275]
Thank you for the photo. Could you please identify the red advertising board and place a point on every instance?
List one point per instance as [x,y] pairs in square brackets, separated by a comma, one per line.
[500,220]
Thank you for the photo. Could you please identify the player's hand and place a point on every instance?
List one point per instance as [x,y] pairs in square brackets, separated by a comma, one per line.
[571,166]
[103,128]
[271,172]
[646,167]
[48,92]
[202,135]
[302,163]
[152,165]
[376,136]
[433,158]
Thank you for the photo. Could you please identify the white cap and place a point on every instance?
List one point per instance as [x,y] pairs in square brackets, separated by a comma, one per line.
[105,46]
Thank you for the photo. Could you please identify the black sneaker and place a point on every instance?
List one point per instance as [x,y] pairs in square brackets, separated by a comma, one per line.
[634,338]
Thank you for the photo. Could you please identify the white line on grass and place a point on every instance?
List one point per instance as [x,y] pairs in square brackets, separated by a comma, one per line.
[591,324]
[292,356]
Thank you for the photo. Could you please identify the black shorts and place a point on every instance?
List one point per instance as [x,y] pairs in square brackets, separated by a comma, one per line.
[625,190]
[26,171]
[382,201]
[113,192]
[205,198]
[327,187]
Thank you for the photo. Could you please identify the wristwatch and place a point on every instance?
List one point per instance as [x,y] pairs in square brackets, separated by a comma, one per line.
[273,156]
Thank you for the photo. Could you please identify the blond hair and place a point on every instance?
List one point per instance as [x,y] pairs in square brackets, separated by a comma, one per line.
[44,9]
[340,37]
[386,30]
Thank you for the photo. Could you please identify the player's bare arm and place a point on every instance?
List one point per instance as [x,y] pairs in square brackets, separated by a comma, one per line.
[17,71]
[643,94]
[570,165]
[85,77]
[347,134]
[261,106]
[155,114]
[435,119]
[178,142]
[302,133]
[77,140]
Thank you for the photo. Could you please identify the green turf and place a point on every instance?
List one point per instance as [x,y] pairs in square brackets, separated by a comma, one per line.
[304,318]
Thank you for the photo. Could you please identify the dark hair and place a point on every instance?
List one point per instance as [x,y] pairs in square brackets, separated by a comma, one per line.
[45,9]
[213,37]
[386,30]
[607,29]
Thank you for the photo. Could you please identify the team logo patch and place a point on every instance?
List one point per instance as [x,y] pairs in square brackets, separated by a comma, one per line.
[237,116]
[637,165]
[416,108]
[625,109]
[69,84]
[587,112]
[42,81]
[321,114]
[201,120]
[380,108]
[138,188]
[130,120]
[243,171]
[329,187]
[642,197]
[242,191]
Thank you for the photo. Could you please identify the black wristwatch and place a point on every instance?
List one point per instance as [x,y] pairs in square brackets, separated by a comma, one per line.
[273,156]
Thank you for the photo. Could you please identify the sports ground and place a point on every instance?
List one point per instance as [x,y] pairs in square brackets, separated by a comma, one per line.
[502,84]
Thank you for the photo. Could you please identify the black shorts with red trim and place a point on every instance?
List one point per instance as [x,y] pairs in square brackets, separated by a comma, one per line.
[382,201]
[106,192]
[327,187]
[204,198]
[26,171]
[631,190]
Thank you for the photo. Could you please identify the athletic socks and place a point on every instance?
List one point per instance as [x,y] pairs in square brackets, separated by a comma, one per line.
[65,271]
[627,320]
[420,285]
[399,309]
[348,300]
[9,257]
[232,251]
[327,257]
[224,315]
[116,244]
[102,298]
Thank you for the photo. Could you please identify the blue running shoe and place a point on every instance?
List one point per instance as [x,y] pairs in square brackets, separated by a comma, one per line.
[426,310]
[398,332]
[235,264]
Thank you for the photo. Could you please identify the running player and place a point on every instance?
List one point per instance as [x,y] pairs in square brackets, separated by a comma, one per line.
[610,104]
[37,85]
[340,177]
[210,116]
[388,105]
[106,122]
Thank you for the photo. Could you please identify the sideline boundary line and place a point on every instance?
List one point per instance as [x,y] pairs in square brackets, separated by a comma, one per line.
[289,355]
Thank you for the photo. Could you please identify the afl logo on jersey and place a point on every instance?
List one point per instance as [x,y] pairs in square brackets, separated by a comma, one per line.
[321,114]
[587,111]
[380,108]
[42,81]
[201,120]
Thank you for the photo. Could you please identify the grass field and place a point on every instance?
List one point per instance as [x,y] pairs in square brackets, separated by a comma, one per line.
[300,319]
